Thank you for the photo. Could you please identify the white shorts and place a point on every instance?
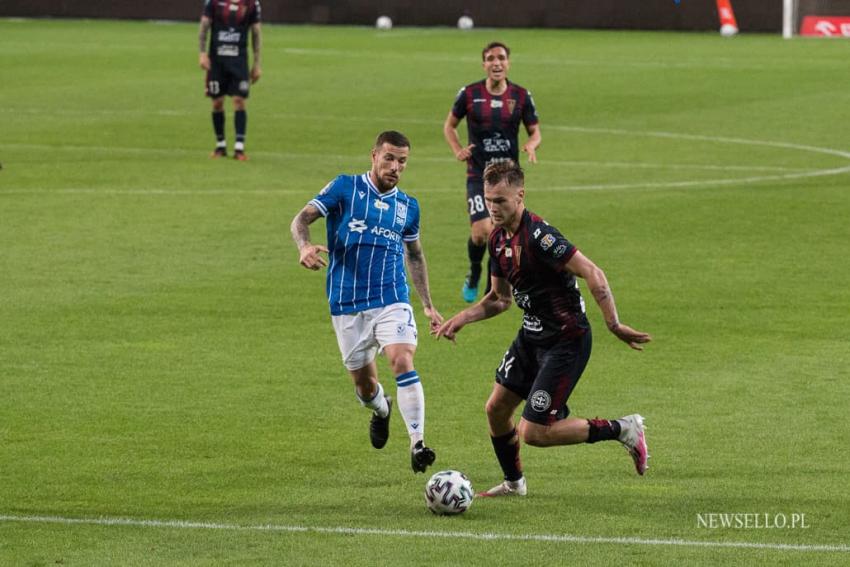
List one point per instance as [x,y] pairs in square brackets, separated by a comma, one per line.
[362,335]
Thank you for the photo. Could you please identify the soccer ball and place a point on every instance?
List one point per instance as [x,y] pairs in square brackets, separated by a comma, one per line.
[728,30]
[448,493]
[384,23]
[465,23]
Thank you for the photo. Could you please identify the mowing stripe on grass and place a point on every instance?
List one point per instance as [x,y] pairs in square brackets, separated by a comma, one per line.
[342,530]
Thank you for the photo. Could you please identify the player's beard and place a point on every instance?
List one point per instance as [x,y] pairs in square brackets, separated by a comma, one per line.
[386,182]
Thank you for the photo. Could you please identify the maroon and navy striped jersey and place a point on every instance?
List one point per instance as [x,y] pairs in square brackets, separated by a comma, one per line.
[492,122]
[231,21]
[533,261]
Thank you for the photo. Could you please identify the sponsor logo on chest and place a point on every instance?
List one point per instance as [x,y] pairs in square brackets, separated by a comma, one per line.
[381,206]
[229,36]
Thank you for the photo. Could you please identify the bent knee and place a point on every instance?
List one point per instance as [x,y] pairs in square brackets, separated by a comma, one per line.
[535,435]
[494,409]
[401,362]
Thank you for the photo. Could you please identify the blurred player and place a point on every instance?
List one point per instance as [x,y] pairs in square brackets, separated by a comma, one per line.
[532,261]
[226,64]
[372,227]
[494,108]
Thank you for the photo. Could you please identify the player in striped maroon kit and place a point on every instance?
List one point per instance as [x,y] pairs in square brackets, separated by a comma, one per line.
[494,108]
[534,263]
[226,64]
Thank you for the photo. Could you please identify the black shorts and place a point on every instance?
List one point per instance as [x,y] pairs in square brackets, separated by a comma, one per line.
[228,76]
[544,375]
[475,199]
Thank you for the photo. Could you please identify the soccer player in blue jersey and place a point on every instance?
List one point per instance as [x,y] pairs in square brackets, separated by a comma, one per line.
[494,108]
[534,264]
[226,64]
[372,227]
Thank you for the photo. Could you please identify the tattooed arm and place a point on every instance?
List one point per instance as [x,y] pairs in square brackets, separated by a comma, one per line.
[204,58]
[256,42]
[583,267]
[300,228]
[419,274]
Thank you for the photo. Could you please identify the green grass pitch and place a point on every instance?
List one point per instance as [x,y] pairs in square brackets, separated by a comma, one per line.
[164,358]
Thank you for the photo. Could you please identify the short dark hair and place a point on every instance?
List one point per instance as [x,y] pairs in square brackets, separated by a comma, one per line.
[508,171]
[393,138]
[492,45]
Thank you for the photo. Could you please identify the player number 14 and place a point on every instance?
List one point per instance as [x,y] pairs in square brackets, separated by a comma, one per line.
[507,363]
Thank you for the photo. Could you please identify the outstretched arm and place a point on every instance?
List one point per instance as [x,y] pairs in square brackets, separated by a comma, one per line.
[496,301]
[300,229]
[582,266]
[419,274]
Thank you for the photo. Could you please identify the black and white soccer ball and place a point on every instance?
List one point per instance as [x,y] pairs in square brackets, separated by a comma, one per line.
[448,493]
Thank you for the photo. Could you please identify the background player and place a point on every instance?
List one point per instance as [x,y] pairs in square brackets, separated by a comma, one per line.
[494,108]
[532,261]
[368,218]
[226,64]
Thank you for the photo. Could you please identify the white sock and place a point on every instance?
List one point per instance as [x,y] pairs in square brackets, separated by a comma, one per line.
[411,402]
[239,147]
[378,403]
[221,144]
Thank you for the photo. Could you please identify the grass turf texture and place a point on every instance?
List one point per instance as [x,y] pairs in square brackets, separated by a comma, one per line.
[163,356]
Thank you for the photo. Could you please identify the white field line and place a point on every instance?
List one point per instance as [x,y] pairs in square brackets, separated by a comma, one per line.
[430,190]
[702,138]
[306,192]
[605,131]
[486,536]
[444,159]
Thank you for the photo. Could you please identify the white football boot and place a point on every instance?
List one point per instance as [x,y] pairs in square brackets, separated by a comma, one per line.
[633,439]
[507,488]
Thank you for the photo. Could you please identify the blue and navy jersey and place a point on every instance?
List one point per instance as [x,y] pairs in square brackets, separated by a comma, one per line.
[366,232]
[492,122]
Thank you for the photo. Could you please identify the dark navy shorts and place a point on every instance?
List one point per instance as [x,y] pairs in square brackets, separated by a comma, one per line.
[228,76]
[544,375]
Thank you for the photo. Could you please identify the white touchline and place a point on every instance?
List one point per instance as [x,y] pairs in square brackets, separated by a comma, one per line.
[793,174]
[342,530]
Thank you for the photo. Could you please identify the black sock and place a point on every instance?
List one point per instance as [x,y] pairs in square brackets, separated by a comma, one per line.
[507,451]
[240,119]
[476,254]
[602,430]
[218,124]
